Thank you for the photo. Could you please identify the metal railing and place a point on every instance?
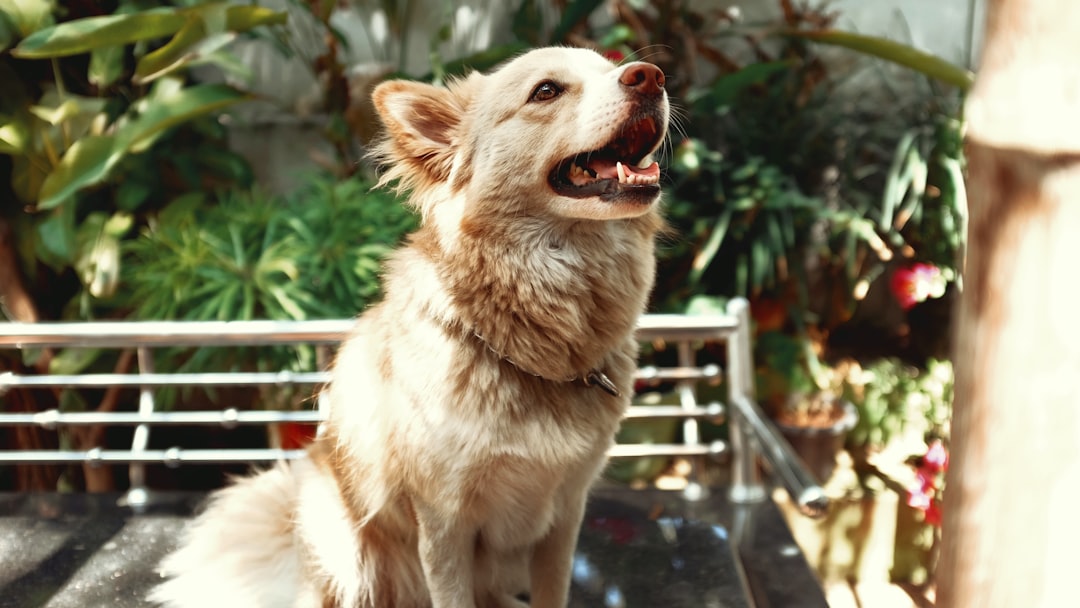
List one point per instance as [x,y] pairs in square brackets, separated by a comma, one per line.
[750,434]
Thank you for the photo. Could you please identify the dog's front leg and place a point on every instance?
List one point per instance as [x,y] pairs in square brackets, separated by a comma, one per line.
[553,558]
[446,554]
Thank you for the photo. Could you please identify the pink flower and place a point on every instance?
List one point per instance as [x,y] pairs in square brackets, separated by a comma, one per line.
[937,457]
[923,492]
[918,498]
[917,283]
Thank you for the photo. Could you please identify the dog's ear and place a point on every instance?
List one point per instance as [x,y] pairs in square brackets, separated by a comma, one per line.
[422,127]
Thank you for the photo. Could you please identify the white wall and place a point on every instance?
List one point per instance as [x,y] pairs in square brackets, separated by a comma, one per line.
[948,28]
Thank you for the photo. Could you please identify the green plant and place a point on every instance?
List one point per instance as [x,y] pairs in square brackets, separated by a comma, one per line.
[892,395]
[86,104]
[789,175]
[314,254]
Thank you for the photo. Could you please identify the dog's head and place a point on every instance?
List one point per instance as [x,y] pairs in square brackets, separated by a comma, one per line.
[556,132]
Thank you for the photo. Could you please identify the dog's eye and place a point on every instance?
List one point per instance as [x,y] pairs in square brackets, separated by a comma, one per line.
[546,91]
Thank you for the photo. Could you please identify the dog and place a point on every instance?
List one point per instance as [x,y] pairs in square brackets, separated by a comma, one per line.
[472,408]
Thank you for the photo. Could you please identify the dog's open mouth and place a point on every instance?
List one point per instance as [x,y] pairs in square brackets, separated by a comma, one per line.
[615,169]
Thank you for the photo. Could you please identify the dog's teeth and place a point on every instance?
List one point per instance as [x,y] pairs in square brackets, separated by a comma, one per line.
[622,172]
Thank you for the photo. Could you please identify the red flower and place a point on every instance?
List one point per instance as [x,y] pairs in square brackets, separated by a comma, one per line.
[917,283]
[619,530]
[296,435]
[614,55]
[932,513]
[923,492]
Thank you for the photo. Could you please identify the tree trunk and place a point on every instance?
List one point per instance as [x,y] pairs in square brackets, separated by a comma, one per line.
[1011,527]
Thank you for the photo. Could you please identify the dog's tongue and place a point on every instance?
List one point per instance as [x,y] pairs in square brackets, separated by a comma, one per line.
[626,174]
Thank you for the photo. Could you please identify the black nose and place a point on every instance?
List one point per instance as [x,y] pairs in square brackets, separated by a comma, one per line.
[645,78]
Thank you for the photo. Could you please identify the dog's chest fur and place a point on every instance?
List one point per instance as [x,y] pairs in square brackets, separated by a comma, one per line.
[472,353]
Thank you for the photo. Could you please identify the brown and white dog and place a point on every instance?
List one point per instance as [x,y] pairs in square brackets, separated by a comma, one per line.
[470,410]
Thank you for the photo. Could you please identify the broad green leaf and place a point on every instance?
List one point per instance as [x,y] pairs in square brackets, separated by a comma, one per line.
[87,162]
[106,66]
[761,265]
[618,35]
[73,360]
[132,193]
[244,18]
[155,65]
[27,16]
[70,106]
[916,172]
[706,305]
[27,175]
[895,184]
[163,112]
[119,224]
[185,45]
[56,237]
[742,275]
[225,61]
[728,87]
[889,50]
[960,208]
[8,33]
[84,35]
[14,135]
[776,240]
[706,254]
[98,259]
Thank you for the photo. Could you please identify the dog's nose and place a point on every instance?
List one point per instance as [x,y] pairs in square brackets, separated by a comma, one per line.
[645,78]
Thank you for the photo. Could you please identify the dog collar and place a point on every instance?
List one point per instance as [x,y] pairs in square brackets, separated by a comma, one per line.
[599,378]
[592,378]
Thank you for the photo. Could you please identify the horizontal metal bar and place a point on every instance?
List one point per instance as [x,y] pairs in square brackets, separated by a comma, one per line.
[673,374]
[9,380]
[639,412]
[130,334]
[228,418]
[175,456]
[231,417]
[677,328]
[170,457]
[125,334]
[644,450]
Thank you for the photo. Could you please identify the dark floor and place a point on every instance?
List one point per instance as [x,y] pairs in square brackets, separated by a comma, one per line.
[637,549]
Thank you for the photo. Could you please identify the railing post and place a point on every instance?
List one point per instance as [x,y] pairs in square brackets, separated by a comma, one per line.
[137,495]
[746,483]
[694,490]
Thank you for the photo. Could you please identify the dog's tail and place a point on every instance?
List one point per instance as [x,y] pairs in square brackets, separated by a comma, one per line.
[240,551]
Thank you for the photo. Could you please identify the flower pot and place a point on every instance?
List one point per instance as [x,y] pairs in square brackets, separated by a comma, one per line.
[819,441]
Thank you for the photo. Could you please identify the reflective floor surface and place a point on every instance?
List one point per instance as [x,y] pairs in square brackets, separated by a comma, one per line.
[647,549]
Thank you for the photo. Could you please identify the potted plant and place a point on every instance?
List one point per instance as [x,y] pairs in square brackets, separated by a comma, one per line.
[816,424]
[793,386]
